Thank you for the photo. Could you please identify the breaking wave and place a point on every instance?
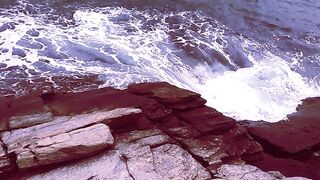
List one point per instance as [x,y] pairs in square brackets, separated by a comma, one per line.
[237,75]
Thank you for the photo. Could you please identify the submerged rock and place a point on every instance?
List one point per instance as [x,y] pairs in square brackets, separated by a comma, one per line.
[18,52]
[7,25]
[33,32]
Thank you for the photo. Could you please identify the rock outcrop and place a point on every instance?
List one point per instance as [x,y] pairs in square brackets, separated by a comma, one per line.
[293,143]
[148,131]
[63,138]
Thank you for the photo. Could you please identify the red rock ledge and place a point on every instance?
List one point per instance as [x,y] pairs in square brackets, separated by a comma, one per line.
[293,143]
[149,131]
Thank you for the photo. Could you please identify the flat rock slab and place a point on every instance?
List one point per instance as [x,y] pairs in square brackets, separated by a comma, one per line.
[16,122]
[62,139]
[248,172]
[288,167]
[300,132]
[65,146]
[108,165]
[63,124]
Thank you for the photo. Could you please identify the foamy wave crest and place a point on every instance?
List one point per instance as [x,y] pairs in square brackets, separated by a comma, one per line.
[236,75]
[267,91]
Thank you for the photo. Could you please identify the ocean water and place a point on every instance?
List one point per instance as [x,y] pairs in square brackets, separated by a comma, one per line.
[251,59]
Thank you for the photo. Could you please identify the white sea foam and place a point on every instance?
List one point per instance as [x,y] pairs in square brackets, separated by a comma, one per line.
[267,91]
[114,43]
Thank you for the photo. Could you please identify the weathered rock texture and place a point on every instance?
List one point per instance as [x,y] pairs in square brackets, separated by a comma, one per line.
[108,165]
[247,172]
[63,147]
[148,131]
[152,155]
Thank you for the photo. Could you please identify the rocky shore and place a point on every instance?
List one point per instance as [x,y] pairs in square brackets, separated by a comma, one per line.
[150,131]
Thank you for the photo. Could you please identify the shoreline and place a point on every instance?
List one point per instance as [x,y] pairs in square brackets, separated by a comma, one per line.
[159,116]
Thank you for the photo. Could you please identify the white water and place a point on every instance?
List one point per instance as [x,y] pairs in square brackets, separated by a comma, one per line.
[267,91]
[125,52]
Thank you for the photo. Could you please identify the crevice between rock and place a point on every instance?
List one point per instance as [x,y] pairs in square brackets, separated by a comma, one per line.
[125,161]
[203,163]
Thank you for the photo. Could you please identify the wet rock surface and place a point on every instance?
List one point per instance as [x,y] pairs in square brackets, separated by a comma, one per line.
[293,143]
[148,131]
[21,80]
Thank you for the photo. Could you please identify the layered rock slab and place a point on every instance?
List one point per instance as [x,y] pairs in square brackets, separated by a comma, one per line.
[291,145]
[108,165]
[229,147]
[197,132]
[105,98]
[301,131]
[26,111]
[207,120]
[207,134]
[64,147]
[62,139]
[24,121]
[248,172]
[140,155]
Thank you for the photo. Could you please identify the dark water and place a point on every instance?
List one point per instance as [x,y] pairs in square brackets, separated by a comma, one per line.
[247,57]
